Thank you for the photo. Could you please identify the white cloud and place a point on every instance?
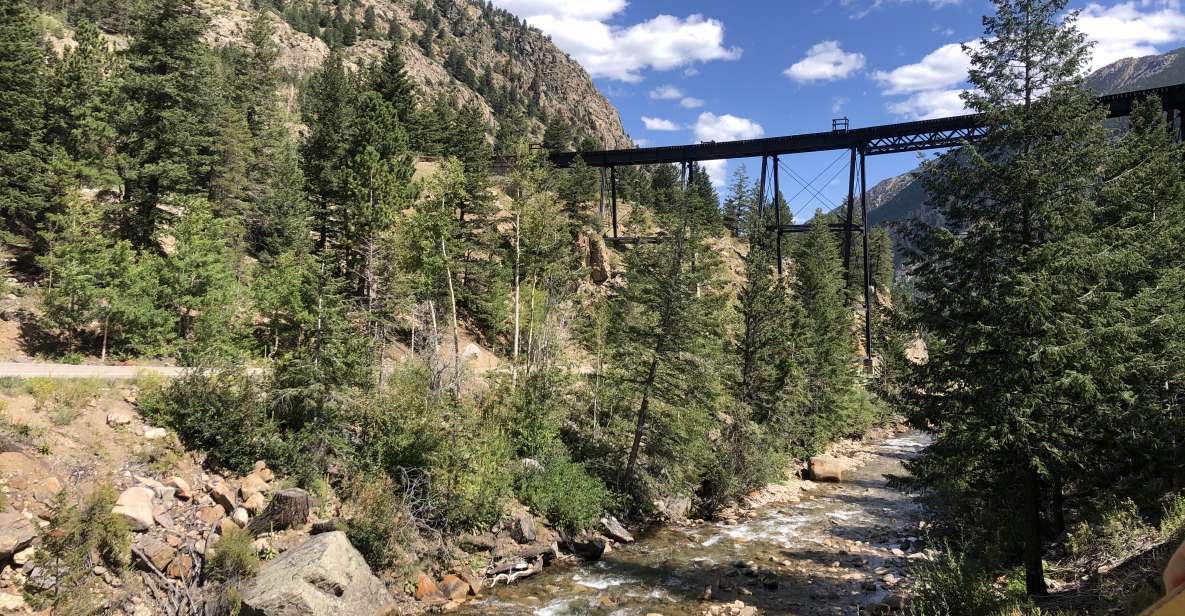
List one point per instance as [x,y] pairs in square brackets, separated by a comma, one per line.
[837,104]
[665,93]
[930,104]
[1124,30]
[664,42]
[942,68]
[690,71]
[825,61]
[727,127]
[690,102]
[662,124]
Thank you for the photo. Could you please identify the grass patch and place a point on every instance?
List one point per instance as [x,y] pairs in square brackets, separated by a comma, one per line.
[234,557]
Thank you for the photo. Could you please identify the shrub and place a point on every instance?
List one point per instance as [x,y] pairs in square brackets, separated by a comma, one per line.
[220,411]
[565,493]
[234,557]
[472,472]
[75,537]
[952,585]
[380,521]
[42,389]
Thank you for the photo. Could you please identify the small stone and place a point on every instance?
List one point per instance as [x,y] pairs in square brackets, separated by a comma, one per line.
[119,418]
[47,489]
[255,503]
[11,603]
[426,588]
[24,556]
[223,495]
[159,553]
[211,514]
[180,567]
[240,517]
[182,487]
[135,506]
[99,570]
[164,519]
[153,434]
[261,545]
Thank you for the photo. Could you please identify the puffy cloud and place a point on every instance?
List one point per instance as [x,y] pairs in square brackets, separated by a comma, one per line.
[662,124]
[727,127]
[941,68]
[664,42]
[930,104]
[690,102]
[1124,30]
[825,61]
[665,93]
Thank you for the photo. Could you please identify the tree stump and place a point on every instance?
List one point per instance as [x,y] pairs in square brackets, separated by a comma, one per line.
[289,508]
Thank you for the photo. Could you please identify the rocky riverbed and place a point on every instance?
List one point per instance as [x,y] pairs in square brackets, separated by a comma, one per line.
[807,548]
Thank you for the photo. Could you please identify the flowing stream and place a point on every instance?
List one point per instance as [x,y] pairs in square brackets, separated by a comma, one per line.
[837,548]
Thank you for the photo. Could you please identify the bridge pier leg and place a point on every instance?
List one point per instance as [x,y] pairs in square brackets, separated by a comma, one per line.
[868,295]
[777,204]
[757,222]
[847,231]
[613,197]
[601,203]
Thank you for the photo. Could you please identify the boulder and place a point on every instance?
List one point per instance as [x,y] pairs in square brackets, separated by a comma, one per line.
[825,468]
[255,503]
[159,553]
[426,589]
[20,558]
[46,489]
[240,516]
[615,530]
[589,546]
[674,508]
[252,484]
[522,528]
[224,496]
[134,505]
[324,576]
[454,588]
[12,603]
[182,487]
[153,434]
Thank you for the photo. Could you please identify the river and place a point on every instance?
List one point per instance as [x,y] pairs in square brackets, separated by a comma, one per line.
[830,549]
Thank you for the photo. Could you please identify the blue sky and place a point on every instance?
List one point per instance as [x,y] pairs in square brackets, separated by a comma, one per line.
[682,71]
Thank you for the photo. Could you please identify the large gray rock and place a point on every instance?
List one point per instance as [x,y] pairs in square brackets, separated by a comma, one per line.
[325,576]
[16,534]
[135,507]
[674,508]
[615,530]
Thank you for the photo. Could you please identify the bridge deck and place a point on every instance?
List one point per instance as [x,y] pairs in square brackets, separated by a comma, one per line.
[872,140]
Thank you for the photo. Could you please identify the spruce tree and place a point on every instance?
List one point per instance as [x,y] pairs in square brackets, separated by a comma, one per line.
[82,110]
[171,130]
[738,203]
[328,112]
[23,191]
[997,293]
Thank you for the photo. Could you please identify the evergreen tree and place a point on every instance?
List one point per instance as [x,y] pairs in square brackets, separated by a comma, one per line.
[82,111]
[738,203]
[664,333]
[829,350]
[391,81]
[23,192]
[880,251]
[328,112]
[171,130]
[998,295]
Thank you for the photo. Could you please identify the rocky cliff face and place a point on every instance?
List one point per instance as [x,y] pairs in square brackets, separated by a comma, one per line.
[505,58]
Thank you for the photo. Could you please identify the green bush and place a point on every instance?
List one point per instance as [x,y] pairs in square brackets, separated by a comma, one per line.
[380,524]
[472,472]
[952,585]
[234,557]
[220,411]
[565,493]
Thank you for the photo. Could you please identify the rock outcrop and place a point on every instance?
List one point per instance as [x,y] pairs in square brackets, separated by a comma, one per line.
[324,576]
[16,534]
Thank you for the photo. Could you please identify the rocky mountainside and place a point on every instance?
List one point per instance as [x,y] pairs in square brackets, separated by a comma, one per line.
[902,197]
[459,48]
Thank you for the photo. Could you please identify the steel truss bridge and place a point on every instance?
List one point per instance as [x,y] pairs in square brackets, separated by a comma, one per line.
[860,142]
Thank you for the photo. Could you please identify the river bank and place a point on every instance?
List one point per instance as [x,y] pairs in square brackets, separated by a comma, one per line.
[797,547]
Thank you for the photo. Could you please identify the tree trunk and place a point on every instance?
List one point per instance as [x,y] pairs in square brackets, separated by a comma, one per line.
[1034,548]
[288,509]
[452,298]
[517,283]
[640,426]
[106,326]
